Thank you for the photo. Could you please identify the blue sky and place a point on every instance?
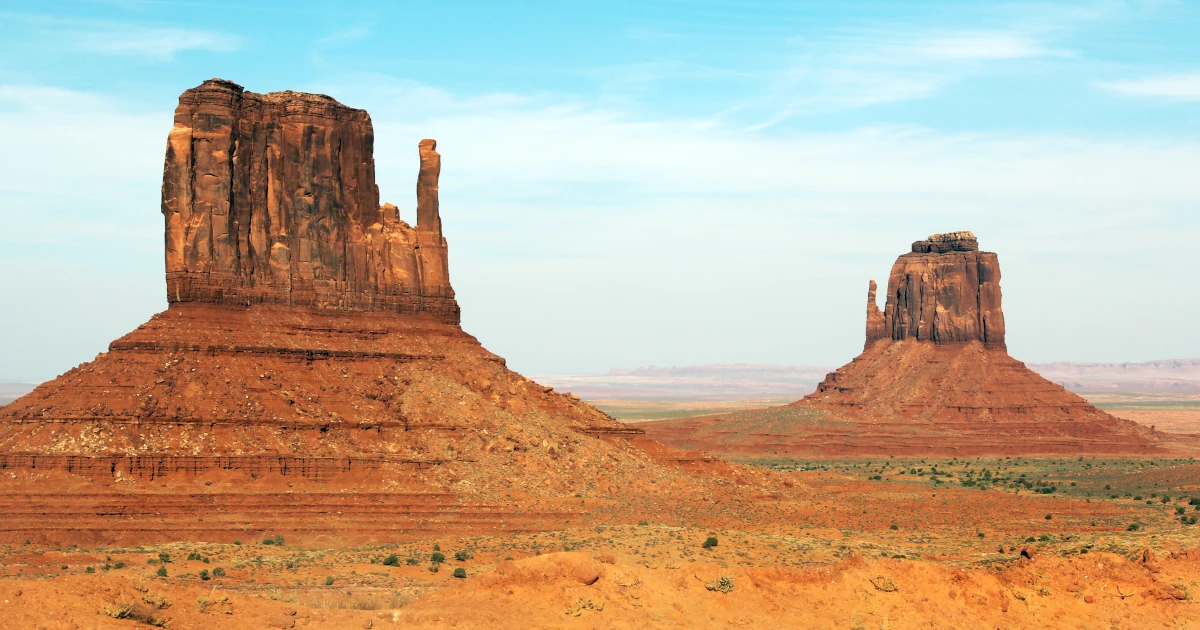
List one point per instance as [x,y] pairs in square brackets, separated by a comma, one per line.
[634,183]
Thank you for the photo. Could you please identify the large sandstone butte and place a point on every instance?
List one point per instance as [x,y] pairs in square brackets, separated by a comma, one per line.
[309,375]
[271,199]
[934,378]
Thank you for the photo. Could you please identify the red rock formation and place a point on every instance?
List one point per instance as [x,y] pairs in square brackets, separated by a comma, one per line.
[876,322]
[936,353]
[934,378]
[944,291]
[312,340]
[271,198]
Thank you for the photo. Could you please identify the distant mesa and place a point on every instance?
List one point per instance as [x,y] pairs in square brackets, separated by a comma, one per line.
[934,378]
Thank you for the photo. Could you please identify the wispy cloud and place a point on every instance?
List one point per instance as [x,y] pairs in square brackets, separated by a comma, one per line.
[1172,87]
[157,42]
[347,34]
[968,46]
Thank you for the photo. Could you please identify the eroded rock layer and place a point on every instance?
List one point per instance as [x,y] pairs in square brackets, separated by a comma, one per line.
[271,198]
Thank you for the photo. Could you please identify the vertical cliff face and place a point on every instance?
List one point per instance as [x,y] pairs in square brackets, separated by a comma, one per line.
[944,291]
[271,198]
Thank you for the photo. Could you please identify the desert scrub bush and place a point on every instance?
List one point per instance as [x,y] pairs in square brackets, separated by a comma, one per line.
[437,558]
[893,527]
[161,572]
[204,575]
[1134,527]
[119,565]
[391,561]
[90,570]
[710,542]
[120,610]
[463,556]
[412,561]
[460,573]
[723,584]
[205,602]
[329,580]
[164,557]
[218,572]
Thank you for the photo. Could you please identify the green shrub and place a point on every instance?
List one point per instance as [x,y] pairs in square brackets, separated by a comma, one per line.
[218,572]
[710,542]
[894,526]
[162,572]
[1134,527]
[412,561]
[278,539]
[204,574]
[90,570]
[164,557]
[1049,516]
[119,565]
[329,581]
[391,561]
[643,523]
[460,573]
[462,556]
[269,541]
[437,557]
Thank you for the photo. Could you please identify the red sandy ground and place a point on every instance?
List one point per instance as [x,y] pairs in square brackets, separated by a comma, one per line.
[839,552]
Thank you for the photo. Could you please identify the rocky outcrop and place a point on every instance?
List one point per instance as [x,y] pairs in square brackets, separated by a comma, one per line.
[271,198]
[944,291]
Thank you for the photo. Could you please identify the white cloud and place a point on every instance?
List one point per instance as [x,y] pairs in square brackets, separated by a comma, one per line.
[159,43]
[972,46]
[1174,87]
[123,38]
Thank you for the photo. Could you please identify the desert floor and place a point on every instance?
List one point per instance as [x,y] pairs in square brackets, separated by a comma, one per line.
[895,543]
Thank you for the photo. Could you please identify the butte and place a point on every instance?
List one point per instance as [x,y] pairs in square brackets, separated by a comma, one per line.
[309,375]
[934,378]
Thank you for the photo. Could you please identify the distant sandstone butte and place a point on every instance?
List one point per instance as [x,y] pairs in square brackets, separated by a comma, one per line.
[934,378]
[271,198]
[936,352]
